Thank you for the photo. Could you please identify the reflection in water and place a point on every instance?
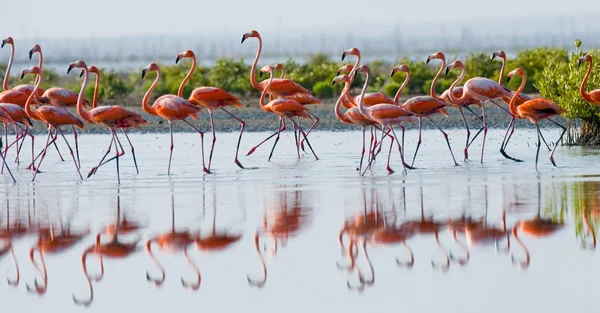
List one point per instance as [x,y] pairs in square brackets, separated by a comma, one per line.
[112,249]
[537,227]
[51,242]
[279,224]
[7,235]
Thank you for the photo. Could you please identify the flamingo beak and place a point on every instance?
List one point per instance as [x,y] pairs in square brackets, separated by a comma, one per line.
[70,68]
[30,54]
[22,74]
[355,72]
[178,58]
[82,71]
[333,82]
[343,55]
[447,70]
[393,72]
[260,74]
[428,59]
[508,79]
[3,43]
[244,38]
[144,72]
[493,56]
[579,62]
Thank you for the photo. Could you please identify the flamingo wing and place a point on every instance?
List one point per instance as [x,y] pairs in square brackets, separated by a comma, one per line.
[58,116]
[16,113]
[288,107]
[540,108]
[300,97]
[213,97]
[115,115]
[486,87]
[282,85]
[172,107]
[388,111]
[61,97]
[27,89]
[16,97]
[373,98]
[425,105]
[595,95]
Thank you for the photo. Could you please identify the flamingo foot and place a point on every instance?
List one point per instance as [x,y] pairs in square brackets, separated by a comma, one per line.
[251,151]
[207,171]
[466,152]
[92,172]
[390,170]
[237,162]
[552,160]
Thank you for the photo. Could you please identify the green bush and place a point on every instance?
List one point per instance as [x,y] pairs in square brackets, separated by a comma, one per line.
[391,88]
[533,61]
[323,89]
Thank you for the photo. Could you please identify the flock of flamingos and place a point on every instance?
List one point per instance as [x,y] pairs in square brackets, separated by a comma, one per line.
[287,99]
[374,225]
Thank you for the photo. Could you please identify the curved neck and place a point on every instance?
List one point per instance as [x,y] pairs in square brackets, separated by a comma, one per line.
[38,81]
[355,66]
[10,62]
[85,115]
[512,106]
[338,111]
[502,71]
[264,92]
[253,81]
[399,92]
[148,109]
[584,95]
[432,88]
[282,74]
[456,82]
[361,106]
[96,86]
[527,257]
[187,77]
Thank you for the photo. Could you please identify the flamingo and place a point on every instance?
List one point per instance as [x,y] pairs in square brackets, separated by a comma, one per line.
[7,235]
[284,107]
[537,227]
[211,98]
[424,107]
[535,110]
[6,120]
[282,88]
[112,117]
[135,119]
[285,223]
[54,117]
[172,242]
[388,115]
[458,91]
[480,90]
[18,116]
[16,95]
[171,108]
[594,95]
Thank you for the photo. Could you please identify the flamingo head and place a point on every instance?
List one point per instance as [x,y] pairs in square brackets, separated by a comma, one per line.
[344,69]
[33,70]
[267,68]
[251,34]
[151,67]
[586,58]
[185,54]
[351,51]
[516,72]
[278,66]
[78,64]
[36,48]
[363,68]
[499,54]
[438,55]
[400,68]
[340,78]
[455,64]
[91,69]
[7,41]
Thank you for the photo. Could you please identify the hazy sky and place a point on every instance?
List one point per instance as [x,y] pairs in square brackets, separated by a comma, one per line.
[83,18]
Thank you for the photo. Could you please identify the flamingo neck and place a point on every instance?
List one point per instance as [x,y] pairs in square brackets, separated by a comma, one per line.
[338,111]
[96,86]
[502,71]
[361,106]
[264,92]
[253,81]
[28,111]
[10,62]
[187,77]
[584,95]
[356,63]
[85,115]
[512,105]
[282,74]
[456,82]
[435,79]
[399,92]
[148,109]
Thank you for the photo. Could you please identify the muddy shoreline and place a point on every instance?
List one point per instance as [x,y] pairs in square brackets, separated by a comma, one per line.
[258,120]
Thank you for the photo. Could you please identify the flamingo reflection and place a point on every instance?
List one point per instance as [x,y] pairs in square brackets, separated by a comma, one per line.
[172,242]
[112,249]
[50,242]
[279,225]
[8,234]
[214,241]
[537,227]
[590,230]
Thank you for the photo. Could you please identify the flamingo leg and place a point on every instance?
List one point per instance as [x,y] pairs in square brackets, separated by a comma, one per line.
[76,146]
[277,138]
[418,143]
[17,138]
[445,137]
[237,149]
[214,138]
[132,150]
[485,129]
[281,128]
[362,154]
[207,171]
[171,148]
[7,168]
[559,139]
[48,142]
[70,151]
[466,151]
[118,155]
[538,145]
[389,169]
[545,143]
[305,138]
[311,127]
[370,147]
[400,147]
[509,131]
[94,169]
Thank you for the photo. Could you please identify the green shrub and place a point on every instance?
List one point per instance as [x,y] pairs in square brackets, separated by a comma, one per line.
[391,88]
[323,89]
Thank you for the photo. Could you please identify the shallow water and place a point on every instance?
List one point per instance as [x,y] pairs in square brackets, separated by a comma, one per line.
[305,204]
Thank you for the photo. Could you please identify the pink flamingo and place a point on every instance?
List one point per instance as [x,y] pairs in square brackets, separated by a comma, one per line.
[15,95]
[5,119]
[112,117]
[171,108]
[211,98]
[388,115]
[594,95]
